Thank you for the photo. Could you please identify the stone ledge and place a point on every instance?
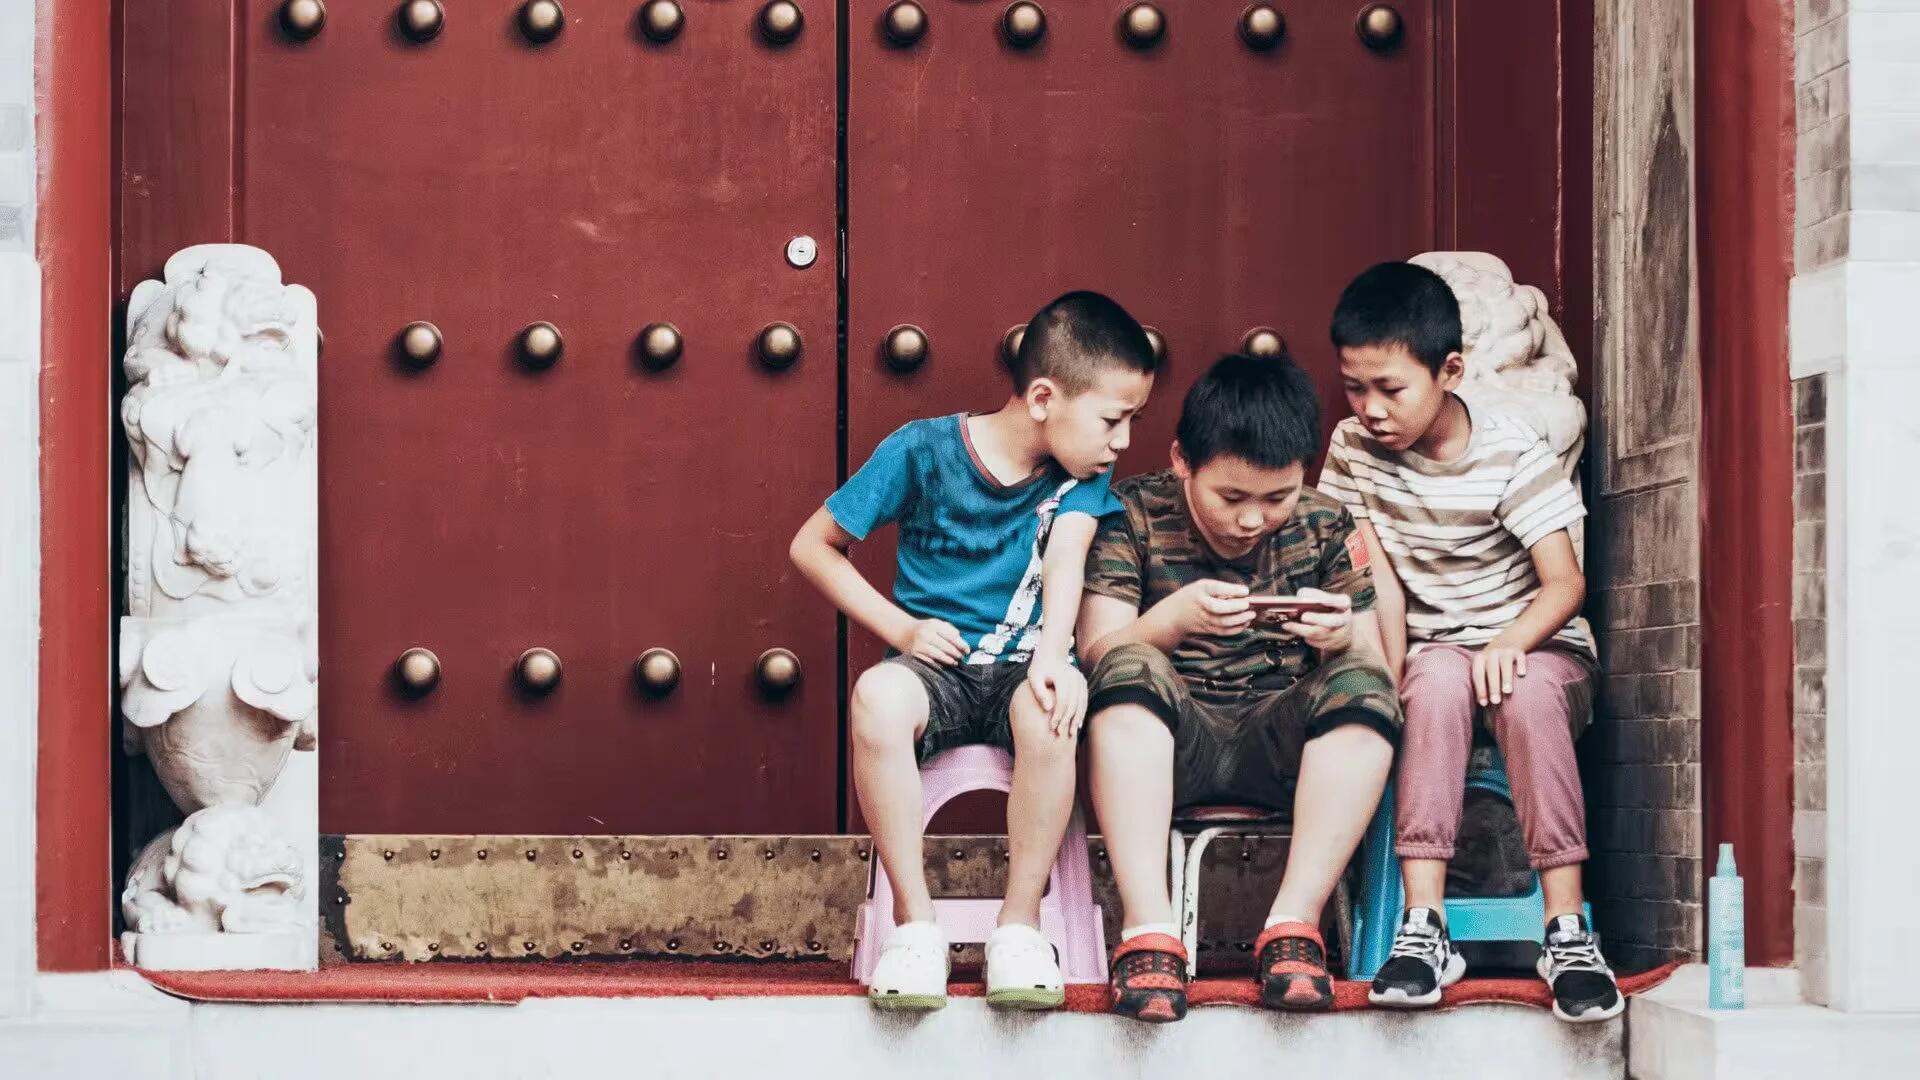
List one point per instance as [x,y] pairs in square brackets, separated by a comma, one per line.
[1676,1037]
[108,1023]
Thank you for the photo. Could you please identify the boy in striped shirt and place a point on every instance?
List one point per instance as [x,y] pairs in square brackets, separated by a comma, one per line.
[1469,523]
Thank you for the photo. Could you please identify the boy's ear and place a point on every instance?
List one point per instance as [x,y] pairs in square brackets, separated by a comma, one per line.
[1040,397]
[1180,467]
[1452,370]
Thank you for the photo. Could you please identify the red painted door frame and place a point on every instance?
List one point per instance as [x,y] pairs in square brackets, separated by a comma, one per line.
[1745,188]
[1744,122]
[73,99]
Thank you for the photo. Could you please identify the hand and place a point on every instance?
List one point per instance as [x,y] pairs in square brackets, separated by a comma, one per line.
[933,640]
[1211,608]
[1494,669]
[1326,631]
[1061,690]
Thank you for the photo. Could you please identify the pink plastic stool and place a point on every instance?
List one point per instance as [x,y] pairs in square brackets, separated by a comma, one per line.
[1068,916]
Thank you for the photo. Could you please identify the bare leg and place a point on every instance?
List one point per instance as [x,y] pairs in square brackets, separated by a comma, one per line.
[1133,797]
[1342,774]
[889,713]
[1426,884]
[1038,807]
[1562,888]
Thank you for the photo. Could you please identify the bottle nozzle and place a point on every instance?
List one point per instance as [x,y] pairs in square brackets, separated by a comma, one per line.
[1726,867]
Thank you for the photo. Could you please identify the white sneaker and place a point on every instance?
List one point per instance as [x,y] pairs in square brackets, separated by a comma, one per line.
[912,972]
[1023,970]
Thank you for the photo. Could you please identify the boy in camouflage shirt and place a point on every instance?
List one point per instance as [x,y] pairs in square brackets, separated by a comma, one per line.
[1196,701]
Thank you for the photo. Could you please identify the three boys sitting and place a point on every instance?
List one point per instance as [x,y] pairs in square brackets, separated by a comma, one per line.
[1433,589]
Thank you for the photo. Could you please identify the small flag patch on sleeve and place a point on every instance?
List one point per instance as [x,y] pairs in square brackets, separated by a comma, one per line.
[1357,551]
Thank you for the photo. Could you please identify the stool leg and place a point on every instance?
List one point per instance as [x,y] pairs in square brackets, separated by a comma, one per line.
[1176,872]
[1190,898]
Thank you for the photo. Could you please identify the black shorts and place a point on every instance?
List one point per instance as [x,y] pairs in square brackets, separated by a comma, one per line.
[967,704]
[1245,750]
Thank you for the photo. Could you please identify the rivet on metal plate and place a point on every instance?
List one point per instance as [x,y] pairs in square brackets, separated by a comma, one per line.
[628,855]
[815,856]
[577,853]
[434,854]
[387,855]
[387,946]
[673,944]
[814,946]
[481,854]
[530,854]
[768,854]
[433,946]
[721,854]
[720,946]
[577,946]
[527,945]
[958,854]
[626,946]
[480,946]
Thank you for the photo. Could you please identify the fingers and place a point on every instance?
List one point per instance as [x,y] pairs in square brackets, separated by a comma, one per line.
[952,636]
[1225,589]
[1225,605]
[1042,683]
[937,649]
[1339,600]
[1520,668]
[1480,677]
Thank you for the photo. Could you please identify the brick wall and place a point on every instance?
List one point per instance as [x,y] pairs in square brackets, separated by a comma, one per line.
[1641,762]
[1822,237]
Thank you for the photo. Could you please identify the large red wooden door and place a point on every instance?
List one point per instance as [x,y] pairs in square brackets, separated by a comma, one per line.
[481,506]
[603,181]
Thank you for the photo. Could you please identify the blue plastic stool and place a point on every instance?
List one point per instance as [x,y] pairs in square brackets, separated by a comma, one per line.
[1376,915]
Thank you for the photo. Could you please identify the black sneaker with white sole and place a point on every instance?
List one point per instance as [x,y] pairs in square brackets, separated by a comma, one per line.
[1421,964]
[1583,988]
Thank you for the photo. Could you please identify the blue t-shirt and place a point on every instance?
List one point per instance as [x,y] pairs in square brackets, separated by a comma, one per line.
[970,546]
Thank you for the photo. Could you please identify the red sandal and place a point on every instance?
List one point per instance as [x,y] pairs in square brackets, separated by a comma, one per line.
[1150,979]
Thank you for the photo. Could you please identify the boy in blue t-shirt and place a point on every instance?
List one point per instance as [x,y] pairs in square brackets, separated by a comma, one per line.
[996,513]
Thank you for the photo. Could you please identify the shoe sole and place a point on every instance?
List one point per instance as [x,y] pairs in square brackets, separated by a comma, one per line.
[1393,997]
[907,1002]
[1594,1015]
[1033,999]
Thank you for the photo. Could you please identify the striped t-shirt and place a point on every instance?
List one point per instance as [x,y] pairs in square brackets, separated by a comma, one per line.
[1457,533]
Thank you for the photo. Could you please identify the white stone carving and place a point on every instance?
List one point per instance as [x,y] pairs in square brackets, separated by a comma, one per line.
[219,659]
[1517,359]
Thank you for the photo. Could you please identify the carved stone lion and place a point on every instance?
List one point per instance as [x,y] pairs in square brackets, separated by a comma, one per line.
[225,868]
[1517,359]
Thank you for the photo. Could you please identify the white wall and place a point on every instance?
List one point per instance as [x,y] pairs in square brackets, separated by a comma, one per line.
[19,505]
[1852,321]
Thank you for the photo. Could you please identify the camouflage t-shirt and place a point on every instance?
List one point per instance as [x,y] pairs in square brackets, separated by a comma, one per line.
[1152,550]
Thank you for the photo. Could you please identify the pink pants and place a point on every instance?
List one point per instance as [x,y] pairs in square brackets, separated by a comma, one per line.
[1534,727]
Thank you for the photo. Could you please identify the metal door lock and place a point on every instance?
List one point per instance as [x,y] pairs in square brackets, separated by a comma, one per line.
[801,251]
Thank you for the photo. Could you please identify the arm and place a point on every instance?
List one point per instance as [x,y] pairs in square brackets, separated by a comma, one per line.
[1563,588]
[820,549]
[1062,574]
[1389,604]
[1060,688]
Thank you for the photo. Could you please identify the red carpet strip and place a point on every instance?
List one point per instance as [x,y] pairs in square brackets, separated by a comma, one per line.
[443,982]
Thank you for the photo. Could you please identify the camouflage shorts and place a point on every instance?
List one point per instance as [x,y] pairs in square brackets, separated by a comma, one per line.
[967,704]
[1246,751]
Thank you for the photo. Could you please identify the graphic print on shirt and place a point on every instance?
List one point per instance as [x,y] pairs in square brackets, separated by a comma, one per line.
[1020,630]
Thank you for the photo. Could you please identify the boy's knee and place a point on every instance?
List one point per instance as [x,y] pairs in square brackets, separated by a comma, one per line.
[889,703]
[1033,726]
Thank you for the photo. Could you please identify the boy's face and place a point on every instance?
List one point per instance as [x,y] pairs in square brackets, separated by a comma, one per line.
[1085,432]
[1235,503]
[1393,393]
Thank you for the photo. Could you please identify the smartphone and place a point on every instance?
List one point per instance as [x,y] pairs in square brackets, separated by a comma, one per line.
[1274,610]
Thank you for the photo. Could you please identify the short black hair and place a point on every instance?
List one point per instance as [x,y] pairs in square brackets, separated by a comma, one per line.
[1399,303]
[1075,338]
[1261,409]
